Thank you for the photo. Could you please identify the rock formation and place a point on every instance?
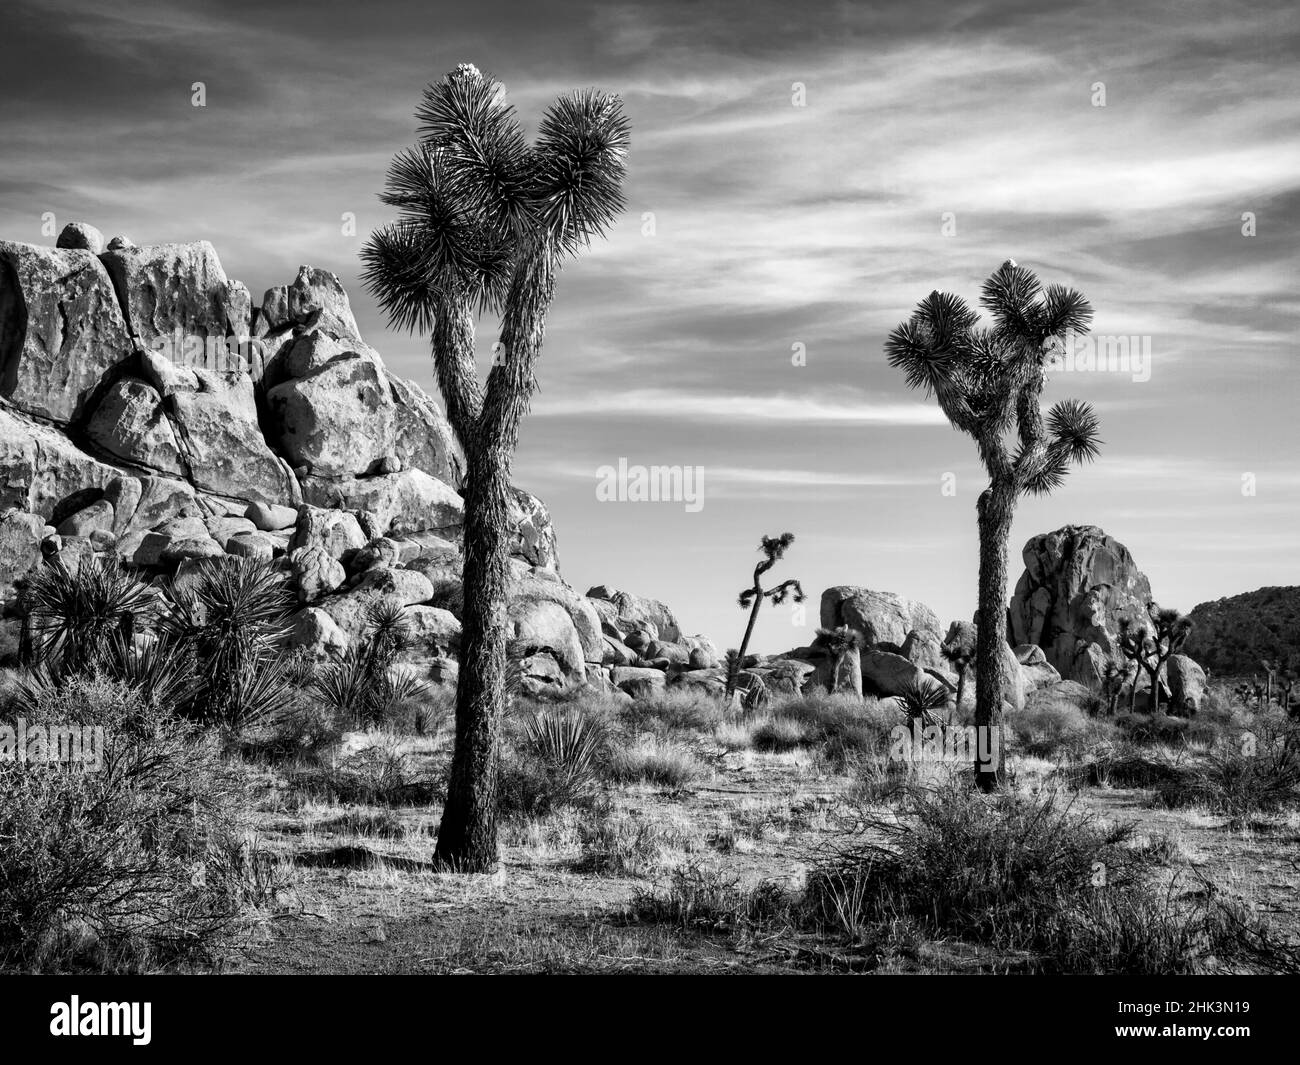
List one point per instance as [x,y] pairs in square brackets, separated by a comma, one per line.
[149,409]
[1078,582]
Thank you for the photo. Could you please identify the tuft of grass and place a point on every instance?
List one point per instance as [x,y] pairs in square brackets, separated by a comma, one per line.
[707,900]
[653,760]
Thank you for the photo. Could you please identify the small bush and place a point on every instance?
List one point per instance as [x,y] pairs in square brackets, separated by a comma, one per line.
[1052,728]
[655,761]
[675,711]
[709,901]
[622,846]
[126,865]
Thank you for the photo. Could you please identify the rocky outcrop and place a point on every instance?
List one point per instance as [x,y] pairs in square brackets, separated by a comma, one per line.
[1078,582]
[148,408]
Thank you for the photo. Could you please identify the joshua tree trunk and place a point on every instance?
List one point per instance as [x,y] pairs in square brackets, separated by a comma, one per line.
[1153,676]
[995,513]
[744,643]
[467,837]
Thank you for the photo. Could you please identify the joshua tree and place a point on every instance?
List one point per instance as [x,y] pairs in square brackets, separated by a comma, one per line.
[773,549]
[988,380]
[845,646]
[1152,647]
[1113,676]
[959,653]
[1270,673]
[485,222]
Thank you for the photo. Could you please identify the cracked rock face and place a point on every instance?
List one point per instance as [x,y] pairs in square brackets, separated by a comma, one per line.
[1078,582]
[61,329]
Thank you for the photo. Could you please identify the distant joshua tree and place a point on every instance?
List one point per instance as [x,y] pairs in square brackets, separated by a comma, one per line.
[485,222]
[773,549]
[1151,647]
[1113,676]
[959,653]
[989,381]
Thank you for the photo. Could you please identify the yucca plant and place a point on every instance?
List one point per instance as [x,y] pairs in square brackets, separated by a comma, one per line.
[919,700]
[988,381]
[232,613]
[485,222]
[773,549]
[76,620]
[570,748]
[364,686]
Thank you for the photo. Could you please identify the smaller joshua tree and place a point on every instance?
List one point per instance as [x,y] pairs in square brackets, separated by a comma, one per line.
[1151,647]
[845,646]
[959,652]
[1113,676]
[773,549]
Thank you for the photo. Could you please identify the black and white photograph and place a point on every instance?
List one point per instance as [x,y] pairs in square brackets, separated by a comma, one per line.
[650,487]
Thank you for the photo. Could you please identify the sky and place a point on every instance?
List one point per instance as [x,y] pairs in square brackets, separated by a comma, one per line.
[800,176]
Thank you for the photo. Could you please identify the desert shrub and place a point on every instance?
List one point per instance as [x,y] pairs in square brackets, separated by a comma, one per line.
[378,774]
[1055,727]
[674,710]
[128,863]
[653,760]
[844,727]
[707,900]
[1152,728]
[1126,764]
[779,733]
[627,846]
[1020,873]
[1259,773]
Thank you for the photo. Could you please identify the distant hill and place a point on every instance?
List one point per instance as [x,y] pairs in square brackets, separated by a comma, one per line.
[1232,635]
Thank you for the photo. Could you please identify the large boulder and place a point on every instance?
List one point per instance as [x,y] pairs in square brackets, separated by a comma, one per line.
[408,501]
[881,618]
[539,587]
[1187,684]
[61,329]
[178,301]
[21,534]
[1078,582]
[336,532]
[213,415]
[885,673]
[544,625]
[534,536]
[315,300]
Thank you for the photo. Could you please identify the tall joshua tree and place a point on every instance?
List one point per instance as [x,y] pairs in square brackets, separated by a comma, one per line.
[989,380]
[773,549]
[1152,644]
[485,221]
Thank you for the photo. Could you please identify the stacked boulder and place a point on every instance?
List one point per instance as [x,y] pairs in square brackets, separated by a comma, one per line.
[1077,585]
